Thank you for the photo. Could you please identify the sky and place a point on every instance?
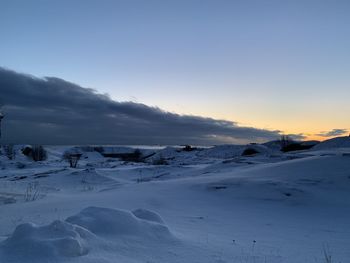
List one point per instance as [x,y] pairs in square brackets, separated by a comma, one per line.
[266,65]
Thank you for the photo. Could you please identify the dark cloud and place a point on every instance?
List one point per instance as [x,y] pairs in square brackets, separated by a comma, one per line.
[52,110]
[333,133]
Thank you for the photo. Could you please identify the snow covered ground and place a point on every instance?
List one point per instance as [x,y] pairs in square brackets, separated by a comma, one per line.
[205,205]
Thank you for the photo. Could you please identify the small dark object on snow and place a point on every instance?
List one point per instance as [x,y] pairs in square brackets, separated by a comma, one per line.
[249,152]
[20,165]
[188,148]
[27,151]
[19,178]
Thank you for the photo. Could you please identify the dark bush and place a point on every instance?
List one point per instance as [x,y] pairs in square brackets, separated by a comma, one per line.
[27,151]
[188,148]
[38,153]
[249,152]
[135,156]
[295,147]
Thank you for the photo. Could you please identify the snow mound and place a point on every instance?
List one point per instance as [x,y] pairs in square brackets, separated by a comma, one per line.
[91,176]
[85,233]
[173,155]
[54,153]
[107,222]
[223,151]
[273,145]
[339,142]
[92,156]
[148,215]
[54,240]
[167,153]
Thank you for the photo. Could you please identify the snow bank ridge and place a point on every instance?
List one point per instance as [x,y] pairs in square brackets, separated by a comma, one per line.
[76,235]
[140,223]
[56,239]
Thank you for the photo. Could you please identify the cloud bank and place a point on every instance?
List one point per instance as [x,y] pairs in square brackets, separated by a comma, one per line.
[333,133]
[53,111]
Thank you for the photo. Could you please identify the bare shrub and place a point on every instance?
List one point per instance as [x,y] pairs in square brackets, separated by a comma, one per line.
[9,151]
[327,254]
[38,153]
[32,192]
[285,141]
[72,157]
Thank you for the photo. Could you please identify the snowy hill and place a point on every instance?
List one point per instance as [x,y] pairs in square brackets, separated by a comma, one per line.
[339,142]
[204,205]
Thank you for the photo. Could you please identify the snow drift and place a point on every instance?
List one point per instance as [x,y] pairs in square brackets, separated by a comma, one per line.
[78,234]
[105,222]
[339,142]
[58,239]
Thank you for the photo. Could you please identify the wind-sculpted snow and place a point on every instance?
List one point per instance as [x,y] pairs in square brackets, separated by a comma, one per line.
[217,205]
[339,142]
[148,215]
[30,242]
[223,151]
[81,233]
[107,222]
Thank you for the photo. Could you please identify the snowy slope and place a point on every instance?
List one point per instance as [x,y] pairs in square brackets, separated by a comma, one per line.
[222,208]
[339,142]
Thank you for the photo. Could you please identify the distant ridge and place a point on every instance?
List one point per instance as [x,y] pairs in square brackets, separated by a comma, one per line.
[338,142]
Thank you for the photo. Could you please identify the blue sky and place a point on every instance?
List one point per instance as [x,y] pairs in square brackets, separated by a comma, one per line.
[267,64]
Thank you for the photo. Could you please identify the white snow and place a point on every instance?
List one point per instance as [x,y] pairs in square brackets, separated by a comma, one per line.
[339,142]
[117,223]
[206,205]
[32,243]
